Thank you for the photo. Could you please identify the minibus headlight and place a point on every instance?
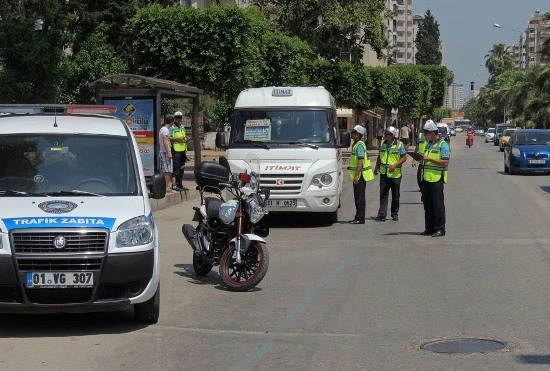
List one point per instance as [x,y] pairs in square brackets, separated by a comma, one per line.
[135,232]
[326,179]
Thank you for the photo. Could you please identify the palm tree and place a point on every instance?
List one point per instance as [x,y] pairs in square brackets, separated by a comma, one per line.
[545,50]
[498,60]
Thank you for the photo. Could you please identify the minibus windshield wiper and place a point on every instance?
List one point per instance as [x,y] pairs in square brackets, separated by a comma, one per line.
[303,144]
[255,143]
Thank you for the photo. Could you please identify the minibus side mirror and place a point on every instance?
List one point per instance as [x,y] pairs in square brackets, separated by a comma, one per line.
[345,140]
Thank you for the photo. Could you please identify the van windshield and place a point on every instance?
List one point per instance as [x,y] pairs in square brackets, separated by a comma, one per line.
[65,165]
[282,126]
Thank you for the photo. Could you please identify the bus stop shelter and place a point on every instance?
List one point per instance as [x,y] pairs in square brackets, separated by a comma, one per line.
[138,99]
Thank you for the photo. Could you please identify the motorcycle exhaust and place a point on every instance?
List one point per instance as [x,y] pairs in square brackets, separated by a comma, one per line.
[190,234]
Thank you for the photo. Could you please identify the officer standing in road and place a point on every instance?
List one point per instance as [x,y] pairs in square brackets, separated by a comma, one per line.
[434,176]
[421,144]
[360,172]
[391,157]
[178,138]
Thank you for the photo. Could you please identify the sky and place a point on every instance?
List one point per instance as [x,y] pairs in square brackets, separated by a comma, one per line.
[467,32]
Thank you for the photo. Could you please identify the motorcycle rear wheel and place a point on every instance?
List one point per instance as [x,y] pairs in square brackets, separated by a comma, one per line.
[245,276]
[200,266]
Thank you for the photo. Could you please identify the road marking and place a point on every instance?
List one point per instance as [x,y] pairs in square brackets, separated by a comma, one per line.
[254,357]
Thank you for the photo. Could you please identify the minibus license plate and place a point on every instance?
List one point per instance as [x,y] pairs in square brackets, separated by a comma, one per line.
[282,203]
[59,280]
[541,162]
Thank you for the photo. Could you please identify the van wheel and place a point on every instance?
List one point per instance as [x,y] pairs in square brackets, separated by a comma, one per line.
[148,311]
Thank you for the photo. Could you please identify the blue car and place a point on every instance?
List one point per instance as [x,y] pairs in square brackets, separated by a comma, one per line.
[527,151]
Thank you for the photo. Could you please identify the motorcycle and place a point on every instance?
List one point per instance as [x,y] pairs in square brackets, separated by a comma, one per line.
[469,139]
[228,233]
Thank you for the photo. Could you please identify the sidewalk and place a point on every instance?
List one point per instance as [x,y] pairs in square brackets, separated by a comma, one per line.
[175,198]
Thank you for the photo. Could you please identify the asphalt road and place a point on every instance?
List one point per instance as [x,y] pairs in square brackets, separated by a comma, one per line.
[359,297]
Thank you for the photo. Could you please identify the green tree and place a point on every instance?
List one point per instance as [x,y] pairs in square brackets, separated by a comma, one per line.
[96,59]
[498,60]
[331,26]
[428,42]
[32,41]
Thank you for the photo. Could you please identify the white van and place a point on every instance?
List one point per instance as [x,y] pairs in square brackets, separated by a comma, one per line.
[76,228]
[293,131]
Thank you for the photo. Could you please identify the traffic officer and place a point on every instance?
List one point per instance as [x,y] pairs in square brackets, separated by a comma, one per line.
[391,157]
[178,138]
[360,172]
[434,176]
[420,148]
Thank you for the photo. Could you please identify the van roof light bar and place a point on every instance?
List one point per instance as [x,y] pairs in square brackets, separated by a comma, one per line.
[57,109]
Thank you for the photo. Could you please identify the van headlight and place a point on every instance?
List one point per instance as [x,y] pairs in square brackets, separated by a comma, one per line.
[135,232]
[323,180]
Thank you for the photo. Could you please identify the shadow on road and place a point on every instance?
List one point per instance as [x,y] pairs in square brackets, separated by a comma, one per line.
[297,220]
[534,359]
[212,278]
[545,188]
[67,324]
[414,233]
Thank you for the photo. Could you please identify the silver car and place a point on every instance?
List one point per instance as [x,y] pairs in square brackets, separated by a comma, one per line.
[478,130]
[490,135]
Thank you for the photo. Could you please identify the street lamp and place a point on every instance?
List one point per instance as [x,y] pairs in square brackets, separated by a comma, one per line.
[496,25]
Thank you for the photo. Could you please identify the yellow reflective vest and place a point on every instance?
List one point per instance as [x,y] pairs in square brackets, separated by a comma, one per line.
[367,172]
[388,157]
[431,172]
[179,132]
[422,143]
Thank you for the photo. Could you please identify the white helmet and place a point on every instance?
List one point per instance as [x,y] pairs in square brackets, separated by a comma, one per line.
[393,131]
[430,126]
[359,129]
[178,113]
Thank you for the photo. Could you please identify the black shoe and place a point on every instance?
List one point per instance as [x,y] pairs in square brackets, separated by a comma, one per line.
[439,233]
[427,233]
[354,221]
[394,218]
[378,218]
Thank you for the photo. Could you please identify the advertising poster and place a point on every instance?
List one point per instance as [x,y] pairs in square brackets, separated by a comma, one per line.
[138,114]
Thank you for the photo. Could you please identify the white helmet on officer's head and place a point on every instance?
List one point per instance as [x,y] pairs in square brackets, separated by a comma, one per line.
[430,126]
[178,113]
[392,131]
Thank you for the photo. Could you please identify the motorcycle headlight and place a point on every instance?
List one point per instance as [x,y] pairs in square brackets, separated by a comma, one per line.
[135,232]
[254,209]
[228,210]
[516,152]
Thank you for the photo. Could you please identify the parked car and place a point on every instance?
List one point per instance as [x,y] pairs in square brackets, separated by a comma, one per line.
[505,137]
[527,151]
[452,131]
[459,129]
[499,128]
[479,130]
[490,135]
[444,134]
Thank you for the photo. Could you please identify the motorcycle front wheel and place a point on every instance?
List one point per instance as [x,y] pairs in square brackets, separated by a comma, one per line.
[200,266]
[252,269]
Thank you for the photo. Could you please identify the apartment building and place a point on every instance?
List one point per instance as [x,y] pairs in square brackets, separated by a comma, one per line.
[401,31]
[526,51]
[454,99]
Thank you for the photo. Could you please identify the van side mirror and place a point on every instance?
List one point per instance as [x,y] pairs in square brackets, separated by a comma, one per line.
[345,140]
[158,190]
[221,140]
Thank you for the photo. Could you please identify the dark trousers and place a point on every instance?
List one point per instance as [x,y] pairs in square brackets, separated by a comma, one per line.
[387,184]
[434,205]
[178,166]
[359,196]
[419,176]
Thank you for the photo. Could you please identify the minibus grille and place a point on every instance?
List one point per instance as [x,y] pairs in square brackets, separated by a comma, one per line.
[282,184]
